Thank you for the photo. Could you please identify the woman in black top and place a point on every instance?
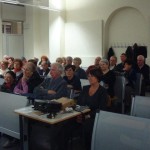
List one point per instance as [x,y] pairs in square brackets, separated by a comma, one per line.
[108,78]
[95,97]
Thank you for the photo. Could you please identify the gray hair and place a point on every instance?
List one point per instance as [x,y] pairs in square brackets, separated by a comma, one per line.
[31,66]
[69,58]
[141,57]
[105,61]
[59,66]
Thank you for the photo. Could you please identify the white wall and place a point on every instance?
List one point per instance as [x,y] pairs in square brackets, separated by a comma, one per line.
[55,35]
[83,39]
[125,22]
[12,12]
[36,32]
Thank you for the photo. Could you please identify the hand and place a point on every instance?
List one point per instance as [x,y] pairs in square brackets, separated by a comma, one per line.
[51,92]
[24,78]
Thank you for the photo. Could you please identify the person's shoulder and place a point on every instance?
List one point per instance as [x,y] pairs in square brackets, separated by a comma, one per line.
[146,66]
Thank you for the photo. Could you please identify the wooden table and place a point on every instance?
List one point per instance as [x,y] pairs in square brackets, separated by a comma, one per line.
[30,113]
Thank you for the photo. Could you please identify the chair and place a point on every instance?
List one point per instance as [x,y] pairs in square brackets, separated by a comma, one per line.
[114,131]
[138,84]
[141,106]
[9,122]
[1,81]
[84,82]
[119,89]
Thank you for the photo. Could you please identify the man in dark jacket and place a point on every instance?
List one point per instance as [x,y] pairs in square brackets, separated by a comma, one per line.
[144,69]
[54,87]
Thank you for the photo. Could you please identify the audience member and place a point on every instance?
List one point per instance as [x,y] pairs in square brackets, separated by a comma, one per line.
[144,69]
[59,60]
[44,70]
[112,62]
[4,68]
[96,65]
[9,82]
[11,63]
[8,86]
[95,97]
[79,71]
[64,61]
[108,78]
[130,76]
[24,60]
[29,80]
[54,87]
[73,82]
[5,57]
[17,68]
[69,60]
[120,66]
[44,58]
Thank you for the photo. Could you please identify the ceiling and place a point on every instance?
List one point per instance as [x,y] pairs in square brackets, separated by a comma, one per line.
[43,4]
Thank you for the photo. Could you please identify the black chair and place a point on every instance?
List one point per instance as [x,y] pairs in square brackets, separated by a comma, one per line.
[114,131]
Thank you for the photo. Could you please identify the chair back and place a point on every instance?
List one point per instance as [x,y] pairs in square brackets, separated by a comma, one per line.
[84,82]
[141,106]
[138,83]
[119,89]
[1,81]
[114,131]
[9,121]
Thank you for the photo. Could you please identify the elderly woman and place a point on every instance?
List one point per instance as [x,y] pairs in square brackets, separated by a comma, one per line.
[108,78]
[79,71]
[29,80]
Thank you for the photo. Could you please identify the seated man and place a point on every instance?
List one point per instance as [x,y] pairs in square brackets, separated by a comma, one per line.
[112,62]
[96,65]
[54,87]
[120,66]
[44,70]
[144,69]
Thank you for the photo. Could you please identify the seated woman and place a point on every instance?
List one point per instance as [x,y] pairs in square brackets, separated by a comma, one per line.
[44,58]
[73,82]
[29,80]
[95,97]
[79,71]
[3,68]
[8,86]
[130,76]
[17,68]
[9,82]
[108,78]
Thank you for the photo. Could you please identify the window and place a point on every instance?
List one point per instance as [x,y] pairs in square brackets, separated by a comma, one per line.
[12,27]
